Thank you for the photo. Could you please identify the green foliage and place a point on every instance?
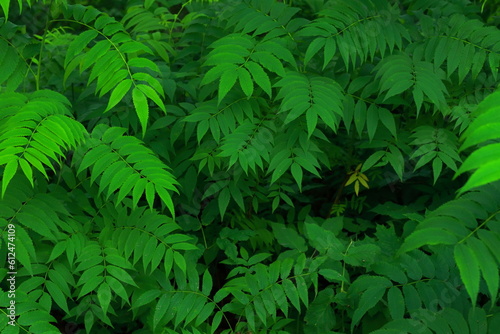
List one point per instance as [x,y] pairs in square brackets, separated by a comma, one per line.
[249,166]
[483,130]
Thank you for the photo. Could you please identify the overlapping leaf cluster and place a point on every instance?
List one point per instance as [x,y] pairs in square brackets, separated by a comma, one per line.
[249,166]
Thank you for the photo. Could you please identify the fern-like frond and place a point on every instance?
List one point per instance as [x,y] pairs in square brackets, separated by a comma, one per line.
[145,27]
[5,4]
[354,30]
[36,130]
[262,17]
[485,129]
[285,156]
[222,120]
[122,163]
[244,146]
[263,291]
[149,237]
[367,114]
[153,240]
[141,20]
[13,67]
[399,73]
[466,45]
[32,315]
[475,244]
[35,216]
[436,145]
[239,57]
[320,98]
[102,277]
[118,62]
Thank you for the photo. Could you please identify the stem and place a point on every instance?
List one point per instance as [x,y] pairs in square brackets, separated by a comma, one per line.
[175,19]
[337,195]
[39,70]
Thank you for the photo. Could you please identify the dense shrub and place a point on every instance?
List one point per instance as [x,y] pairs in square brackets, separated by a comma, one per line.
[249,166]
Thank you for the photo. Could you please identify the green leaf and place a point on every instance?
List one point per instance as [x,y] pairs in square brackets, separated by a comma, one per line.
[224,197]
[5,7]
[174,238]
[207,283]
[395,74]
[33,316]
[27,170]
[167,199]
[329,51]
[332,275]
[487,173]
[396,303]
[216,322]
[216,72]
[121,275]
[297,174]
[468,265]
[185,307]
[437,166]
[372,160]
[78,44]
[324,241]
[184,246]
[104,296]
[90,285]
[227,81]
[57,295]
[280,297]
[89,321]
[153,95]
[491,240]
[25,249]
[292,293]
[246,82]
[312,121]
[455,320]
[428,236]
[141,107]
[169,261]
[488,265]
[250,316]
[288,237]
[143,62]
[269,61]
[313,49]
[161,309]
[180,261]
[146,297]
[368,300]
[395,158]
[372,118]
[117,287]
[478,321]
[259,76]
[260,309]
[302,290]
[387,119]
[362,255]
[320,313]
[58,249]
[281,168]
[8,173]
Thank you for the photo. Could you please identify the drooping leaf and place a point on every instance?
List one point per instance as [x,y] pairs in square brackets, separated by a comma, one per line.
[468,264]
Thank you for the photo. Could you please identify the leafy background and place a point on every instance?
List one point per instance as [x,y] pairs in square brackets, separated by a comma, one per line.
[252,166]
